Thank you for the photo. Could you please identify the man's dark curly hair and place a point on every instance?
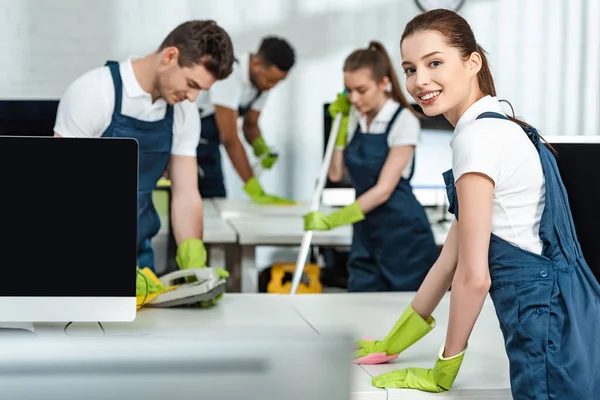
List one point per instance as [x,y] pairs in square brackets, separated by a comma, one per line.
[278,52]
[202,42]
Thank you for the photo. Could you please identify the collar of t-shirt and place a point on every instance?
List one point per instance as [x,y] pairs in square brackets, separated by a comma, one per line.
[485,104]
[132,86]
[381,120]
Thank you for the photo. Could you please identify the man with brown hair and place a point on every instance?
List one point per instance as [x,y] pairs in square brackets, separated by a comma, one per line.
[151,99]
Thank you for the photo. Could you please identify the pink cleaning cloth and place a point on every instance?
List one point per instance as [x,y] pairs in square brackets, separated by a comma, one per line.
[374,358]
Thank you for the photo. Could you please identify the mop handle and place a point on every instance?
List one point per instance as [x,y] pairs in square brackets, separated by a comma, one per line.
[316,202]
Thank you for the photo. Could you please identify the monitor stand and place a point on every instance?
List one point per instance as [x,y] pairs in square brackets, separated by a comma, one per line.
[17,329]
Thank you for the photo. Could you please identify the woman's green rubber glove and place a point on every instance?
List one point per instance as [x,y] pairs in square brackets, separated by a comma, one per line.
[408,330]
[438,379]
[258,195]
[341,105]
[317,221]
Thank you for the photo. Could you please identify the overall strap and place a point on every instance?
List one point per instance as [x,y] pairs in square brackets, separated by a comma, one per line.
[393,119]
[118,83]
[387,132]
[533,134]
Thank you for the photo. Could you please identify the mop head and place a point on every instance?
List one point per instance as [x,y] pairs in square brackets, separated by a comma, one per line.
[374,358]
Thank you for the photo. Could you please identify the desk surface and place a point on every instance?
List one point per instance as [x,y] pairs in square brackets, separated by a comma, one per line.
[484,373]
[285,230]
[217,230]
[234,208]
[256,224]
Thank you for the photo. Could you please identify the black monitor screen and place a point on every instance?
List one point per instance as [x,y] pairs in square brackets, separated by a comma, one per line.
[577,163]
[69,222]
[27,117]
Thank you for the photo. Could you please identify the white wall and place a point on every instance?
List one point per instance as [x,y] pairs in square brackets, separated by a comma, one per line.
[540,57]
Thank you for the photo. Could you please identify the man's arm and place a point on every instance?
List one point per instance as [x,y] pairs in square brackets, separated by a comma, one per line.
[250,126]
[226,119]
[186,203]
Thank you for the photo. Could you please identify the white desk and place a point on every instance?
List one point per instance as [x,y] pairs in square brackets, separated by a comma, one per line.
[262,225]
[483,375]
[234,208]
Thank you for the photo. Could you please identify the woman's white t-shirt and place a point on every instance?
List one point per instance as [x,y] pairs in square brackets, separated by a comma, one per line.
[501,150]
[406,130]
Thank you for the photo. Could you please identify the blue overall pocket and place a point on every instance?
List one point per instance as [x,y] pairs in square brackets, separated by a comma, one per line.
[523,311]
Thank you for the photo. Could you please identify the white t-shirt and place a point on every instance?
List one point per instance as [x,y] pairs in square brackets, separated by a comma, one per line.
[86,108]
[501,150]
[234,91]
[406,130]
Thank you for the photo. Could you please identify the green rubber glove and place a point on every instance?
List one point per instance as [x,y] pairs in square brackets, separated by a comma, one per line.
[317,221]
[258,195]
[192,254]
[145,286]
[262,151]
[439,379]
[341,105]
[407,330]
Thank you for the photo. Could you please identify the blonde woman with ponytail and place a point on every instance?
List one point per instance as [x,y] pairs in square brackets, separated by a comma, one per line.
[513,236]
[393,246]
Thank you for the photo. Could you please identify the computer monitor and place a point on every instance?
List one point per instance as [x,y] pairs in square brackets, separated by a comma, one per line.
[579,165]
[69,227]
[26,117]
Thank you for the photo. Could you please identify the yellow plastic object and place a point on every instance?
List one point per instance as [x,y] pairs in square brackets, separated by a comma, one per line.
[145,299]
[281,279]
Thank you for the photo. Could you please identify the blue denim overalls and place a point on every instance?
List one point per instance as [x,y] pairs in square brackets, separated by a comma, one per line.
[548,305]
[155,139]
[393,247]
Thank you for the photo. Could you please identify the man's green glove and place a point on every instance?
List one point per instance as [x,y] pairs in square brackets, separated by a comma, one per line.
[407,330]
[317,221]
[438,379]
[257,194]
[192,254]
[262,151]
[145,286]
[341,105]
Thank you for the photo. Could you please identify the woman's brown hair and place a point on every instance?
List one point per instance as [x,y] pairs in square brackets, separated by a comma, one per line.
[377,60]
[458,34]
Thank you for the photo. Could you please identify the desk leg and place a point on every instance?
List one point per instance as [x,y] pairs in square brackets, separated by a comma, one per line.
[216,256]
[249,270]
[233,264]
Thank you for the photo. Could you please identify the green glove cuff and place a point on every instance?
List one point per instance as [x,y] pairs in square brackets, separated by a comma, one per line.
[253,188]
[446,369]
[260,147]
[191,254]
[340,140]
[346,216]
[409,329]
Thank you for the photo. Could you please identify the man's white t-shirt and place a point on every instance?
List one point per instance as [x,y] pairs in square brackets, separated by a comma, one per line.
[232,92]
[405,131]
[501,150]
[86,108]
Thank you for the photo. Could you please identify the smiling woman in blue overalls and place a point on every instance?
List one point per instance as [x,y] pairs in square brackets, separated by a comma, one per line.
[513,235]
[392,245]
